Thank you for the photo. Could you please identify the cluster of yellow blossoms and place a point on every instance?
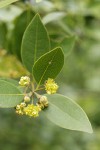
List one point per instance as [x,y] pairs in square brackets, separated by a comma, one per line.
[24,81]
[20,108]
[50,86]
[31,109]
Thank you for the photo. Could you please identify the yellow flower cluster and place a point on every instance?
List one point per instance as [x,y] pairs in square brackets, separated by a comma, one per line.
[29,110]
[32,111]
[24,81]
[20,108]
[50,86]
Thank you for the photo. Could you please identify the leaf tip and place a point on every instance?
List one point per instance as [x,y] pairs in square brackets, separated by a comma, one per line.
[89,128]
[37,15]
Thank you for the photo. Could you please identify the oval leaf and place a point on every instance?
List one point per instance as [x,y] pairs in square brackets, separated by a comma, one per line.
[48,65]
[4,3]
[10,95]
[67,114]
[35,42]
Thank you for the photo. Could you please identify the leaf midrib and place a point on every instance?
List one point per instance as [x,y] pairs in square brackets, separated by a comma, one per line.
[47,68]
[36,40]
[11,94]
[64,112]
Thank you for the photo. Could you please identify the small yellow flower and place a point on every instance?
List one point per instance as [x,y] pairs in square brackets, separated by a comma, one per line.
[19,108]
[50,86]
[19,112]
[32,111]
[24,81]
[23,104]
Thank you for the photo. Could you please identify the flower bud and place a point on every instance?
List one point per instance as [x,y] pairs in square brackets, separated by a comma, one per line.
[22,104]
[43,102]
[18,107]
[26,99]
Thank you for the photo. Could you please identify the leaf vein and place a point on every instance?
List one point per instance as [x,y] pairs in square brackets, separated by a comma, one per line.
[47,68]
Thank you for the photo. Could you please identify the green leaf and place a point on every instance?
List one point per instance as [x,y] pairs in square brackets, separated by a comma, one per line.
[4,3]
[67,45]
[67,114]
[35,42]
[48,65]
[14,82]
[21,23]
[3,35]
[10,95]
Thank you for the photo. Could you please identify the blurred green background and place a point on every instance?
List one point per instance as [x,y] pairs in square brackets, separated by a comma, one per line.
[78,20]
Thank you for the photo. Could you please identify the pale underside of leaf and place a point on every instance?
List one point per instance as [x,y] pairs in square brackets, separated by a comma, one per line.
[10,95]
[67,114]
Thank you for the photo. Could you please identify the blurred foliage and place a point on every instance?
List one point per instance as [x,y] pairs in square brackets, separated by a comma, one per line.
[80,78]
[10,67]
[20,24]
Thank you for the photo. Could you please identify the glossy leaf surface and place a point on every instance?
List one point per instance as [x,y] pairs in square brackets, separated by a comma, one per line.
[35,42]
[48,65]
